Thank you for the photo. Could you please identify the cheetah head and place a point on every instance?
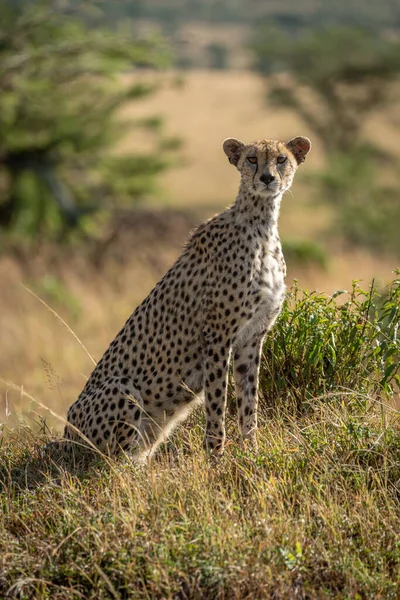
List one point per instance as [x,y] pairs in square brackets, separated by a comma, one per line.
[267,167]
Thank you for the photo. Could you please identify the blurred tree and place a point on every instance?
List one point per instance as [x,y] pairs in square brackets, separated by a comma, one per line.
[218,55]
[61,88]
[366,207]
[289,14]
[332,77]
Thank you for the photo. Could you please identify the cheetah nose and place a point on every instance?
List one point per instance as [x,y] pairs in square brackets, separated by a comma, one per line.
[267,178]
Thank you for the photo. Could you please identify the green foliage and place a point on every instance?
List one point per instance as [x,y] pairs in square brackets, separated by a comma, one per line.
[321,347]
[60,92]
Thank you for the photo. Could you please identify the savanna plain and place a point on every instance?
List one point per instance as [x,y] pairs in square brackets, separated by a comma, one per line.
[315,513]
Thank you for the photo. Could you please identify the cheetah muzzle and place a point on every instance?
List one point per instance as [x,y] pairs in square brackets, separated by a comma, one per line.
[216,303]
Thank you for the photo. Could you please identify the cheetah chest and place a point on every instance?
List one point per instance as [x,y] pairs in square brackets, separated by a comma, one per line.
[266,294]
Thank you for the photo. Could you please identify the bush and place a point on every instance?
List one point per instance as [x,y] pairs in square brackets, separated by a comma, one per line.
[321,347]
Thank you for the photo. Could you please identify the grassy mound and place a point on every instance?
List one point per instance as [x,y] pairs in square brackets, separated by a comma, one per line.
[315,514]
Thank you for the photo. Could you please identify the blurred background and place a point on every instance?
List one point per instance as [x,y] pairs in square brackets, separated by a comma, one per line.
[112,116]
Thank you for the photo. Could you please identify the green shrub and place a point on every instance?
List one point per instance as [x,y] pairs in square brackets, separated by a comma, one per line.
[322,346]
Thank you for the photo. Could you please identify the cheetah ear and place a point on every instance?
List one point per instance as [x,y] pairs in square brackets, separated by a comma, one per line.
[299,147]
[233,149]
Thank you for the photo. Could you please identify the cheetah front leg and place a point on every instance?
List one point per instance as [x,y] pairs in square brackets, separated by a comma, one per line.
[217,353]
[246,372]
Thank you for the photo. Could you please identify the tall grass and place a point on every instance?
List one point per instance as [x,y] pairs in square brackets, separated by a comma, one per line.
[313,515]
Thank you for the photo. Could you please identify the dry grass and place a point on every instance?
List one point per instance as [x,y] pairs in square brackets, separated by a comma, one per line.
[313,516]
[38,352]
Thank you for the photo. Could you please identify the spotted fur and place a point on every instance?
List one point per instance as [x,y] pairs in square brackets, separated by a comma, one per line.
[218,300]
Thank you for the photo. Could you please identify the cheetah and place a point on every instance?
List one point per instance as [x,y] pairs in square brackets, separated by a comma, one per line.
[217,302]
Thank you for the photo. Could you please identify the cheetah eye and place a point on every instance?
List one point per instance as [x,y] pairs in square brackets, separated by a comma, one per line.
[281,159]
[252,160]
